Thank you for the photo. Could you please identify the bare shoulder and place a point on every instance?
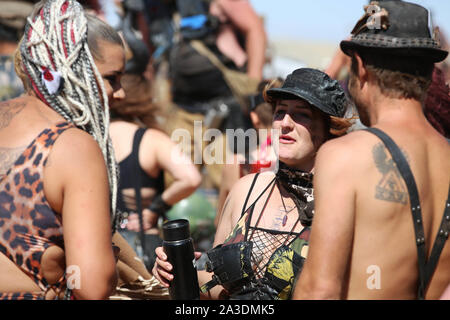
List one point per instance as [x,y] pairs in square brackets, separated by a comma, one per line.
[232,208]
[443,144]
[246,181]
[241,188]
[236,10]
[154,141]
[120,127]
[356,139]
[121,124]
[75,148]
[439,152]
[347,151]
[228,3]
[75,163]
[156,136]
[74,138]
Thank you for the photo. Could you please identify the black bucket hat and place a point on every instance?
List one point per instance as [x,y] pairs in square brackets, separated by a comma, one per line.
[315,87]
[397,28]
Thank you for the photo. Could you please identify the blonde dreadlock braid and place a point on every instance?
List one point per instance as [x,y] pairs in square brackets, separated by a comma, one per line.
[56,39]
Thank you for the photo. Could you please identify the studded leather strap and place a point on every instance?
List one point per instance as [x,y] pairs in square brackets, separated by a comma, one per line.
[426,268]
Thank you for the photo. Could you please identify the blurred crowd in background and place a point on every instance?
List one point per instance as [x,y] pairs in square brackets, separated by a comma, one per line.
[198,60]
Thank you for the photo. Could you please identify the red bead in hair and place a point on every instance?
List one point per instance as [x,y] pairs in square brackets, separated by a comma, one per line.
[47,74]
[64,7]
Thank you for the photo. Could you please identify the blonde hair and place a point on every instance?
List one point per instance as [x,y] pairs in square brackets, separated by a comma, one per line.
[56,37]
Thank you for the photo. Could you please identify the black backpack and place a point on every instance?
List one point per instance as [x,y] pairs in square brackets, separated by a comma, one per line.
[193,77]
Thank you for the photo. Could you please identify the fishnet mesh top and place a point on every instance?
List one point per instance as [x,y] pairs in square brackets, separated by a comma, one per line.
[265,241]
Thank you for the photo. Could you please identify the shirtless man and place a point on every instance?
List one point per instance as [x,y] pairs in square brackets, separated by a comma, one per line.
[363,243]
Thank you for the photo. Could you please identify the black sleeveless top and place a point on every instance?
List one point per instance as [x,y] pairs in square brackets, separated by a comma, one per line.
[130,168]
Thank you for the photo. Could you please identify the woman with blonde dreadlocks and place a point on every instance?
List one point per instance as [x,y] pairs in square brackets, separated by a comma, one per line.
[59,169]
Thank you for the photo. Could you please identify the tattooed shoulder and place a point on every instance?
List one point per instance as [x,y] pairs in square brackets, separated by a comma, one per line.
[391,187]
[8,157]
[8,110]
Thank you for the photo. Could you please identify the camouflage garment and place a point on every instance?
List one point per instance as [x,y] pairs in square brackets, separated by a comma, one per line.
[255,263]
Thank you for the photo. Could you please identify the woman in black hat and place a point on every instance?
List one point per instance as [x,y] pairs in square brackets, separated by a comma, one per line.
[264,229]
[260,157]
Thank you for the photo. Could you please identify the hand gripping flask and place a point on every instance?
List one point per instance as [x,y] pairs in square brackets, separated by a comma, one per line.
[179,248]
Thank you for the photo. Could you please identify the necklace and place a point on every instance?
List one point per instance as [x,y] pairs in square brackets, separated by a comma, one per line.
[286,212]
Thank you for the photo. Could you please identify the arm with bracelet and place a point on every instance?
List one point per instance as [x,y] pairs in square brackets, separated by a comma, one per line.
[164,153]
[159,207]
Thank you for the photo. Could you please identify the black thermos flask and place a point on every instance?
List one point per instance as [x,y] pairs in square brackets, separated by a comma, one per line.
[179,247]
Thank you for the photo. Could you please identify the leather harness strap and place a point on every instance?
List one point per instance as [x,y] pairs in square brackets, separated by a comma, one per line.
[426,268]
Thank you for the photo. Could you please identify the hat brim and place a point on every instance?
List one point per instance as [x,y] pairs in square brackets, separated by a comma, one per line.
[287,93]
[430,54]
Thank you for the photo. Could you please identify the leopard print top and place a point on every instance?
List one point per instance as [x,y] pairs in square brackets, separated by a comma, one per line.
[28,225]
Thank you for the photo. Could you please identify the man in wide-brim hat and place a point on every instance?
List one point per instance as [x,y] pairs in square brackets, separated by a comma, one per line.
[382,210]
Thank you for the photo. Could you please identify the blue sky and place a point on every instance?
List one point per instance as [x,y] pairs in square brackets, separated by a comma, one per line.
[329,20]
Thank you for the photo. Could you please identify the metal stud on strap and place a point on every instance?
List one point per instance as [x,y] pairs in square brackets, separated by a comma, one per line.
[209,267]
[443,233]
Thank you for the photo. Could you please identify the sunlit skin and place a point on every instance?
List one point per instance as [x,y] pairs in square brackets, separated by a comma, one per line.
[75,159]
[353,85]
[357,231]
[301,131]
